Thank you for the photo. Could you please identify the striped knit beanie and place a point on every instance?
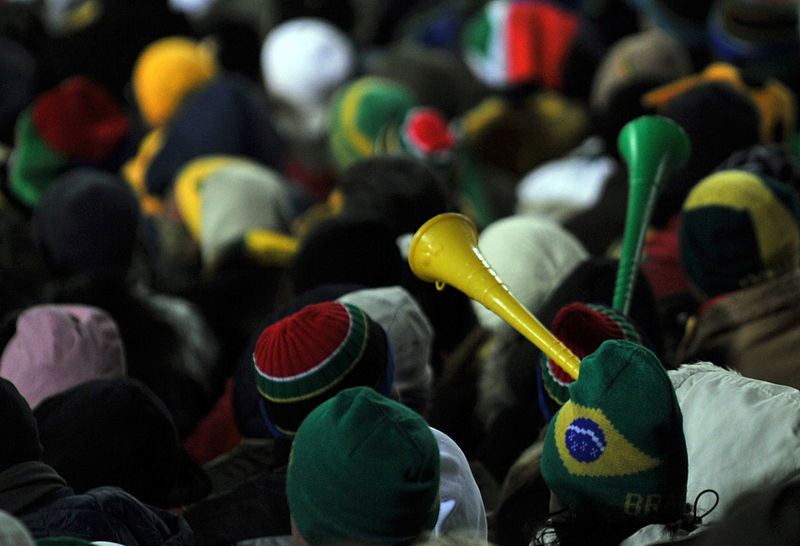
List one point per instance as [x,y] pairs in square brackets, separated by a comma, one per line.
[512,43]
[737,230]
[582,328]
[308,357]
[77,123]
[359,112]
[615,450]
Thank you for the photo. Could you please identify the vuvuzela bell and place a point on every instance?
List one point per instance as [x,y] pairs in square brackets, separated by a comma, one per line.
[444,250]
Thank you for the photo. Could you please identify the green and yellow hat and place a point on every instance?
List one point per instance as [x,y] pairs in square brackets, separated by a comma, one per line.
[616,449]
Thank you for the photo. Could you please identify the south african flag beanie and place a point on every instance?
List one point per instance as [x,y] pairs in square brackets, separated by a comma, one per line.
[308,357]
[358,114]
[616,450]
[737,230]
[78,123]
[582,327]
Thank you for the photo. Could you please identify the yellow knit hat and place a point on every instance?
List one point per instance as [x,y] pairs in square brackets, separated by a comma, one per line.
[165,72]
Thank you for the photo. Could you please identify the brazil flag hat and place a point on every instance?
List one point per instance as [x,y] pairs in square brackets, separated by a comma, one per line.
[616,449]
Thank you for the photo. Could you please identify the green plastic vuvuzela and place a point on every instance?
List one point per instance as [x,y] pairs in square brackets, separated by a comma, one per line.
[653,147]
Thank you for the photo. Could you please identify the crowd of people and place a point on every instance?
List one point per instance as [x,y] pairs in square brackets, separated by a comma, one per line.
[211,332]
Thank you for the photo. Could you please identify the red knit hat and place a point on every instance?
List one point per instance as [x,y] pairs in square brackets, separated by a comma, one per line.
[582,328]
[308,357]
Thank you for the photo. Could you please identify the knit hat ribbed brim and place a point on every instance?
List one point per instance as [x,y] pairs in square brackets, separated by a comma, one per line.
[363,468]
[616,449]
[308,357]
[583,328]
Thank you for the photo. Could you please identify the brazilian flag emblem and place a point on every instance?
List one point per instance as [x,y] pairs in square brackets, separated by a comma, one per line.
[590,445]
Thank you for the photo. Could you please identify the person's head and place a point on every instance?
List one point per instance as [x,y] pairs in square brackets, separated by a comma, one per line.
[117,432]
[738,230]
[532,255]
[309,356]
[165,72]
[87,222]
[227,205]
[20,442]
[410,334]
[359,111]
[615,451]
[55,347]
[303,61]
[75,124]
[363,470]
[582,328]
[401,191]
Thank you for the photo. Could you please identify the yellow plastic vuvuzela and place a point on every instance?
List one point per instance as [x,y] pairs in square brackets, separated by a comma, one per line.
[445,251]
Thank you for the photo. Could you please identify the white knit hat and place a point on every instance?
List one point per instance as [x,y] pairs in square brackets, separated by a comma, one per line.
[303,61]
[531,255]
[410,336]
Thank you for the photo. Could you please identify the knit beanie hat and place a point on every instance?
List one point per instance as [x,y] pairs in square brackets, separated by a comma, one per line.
[225,201]
[423,133]
[303,61]
[235,121]
[648,55]
[683,19]
[513,43]
[359,111]
[58,346]
[737,230]
[18,80]
[401,191]
[775,102]
[761,37]
[20,432]
[87,222]
[363,468]
[166,71]
[117,432]
[410,336]
[615,450]
[75,124]
[13,532]
[306,358]
[582,328]
[345,250]
[532,256]
[721,105]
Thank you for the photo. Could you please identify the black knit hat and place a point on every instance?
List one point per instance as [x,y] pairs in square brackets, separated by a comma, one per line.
[87,221]
[117,432]
[342,250]
[719,120]
[401,191]
[20,441]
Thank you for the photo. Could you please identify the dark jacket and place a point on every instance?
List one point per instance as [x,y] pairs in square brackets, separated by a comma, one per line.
[249,499]
[35,494]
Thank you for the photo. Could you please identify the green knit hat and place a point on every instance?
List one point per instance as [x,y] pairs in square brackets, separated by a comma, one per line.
[616,449]
[365,468]
[359,112]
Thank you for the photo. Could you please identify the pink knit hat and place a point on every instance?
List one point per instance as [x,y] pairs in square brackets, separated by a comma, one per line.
[58,346]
